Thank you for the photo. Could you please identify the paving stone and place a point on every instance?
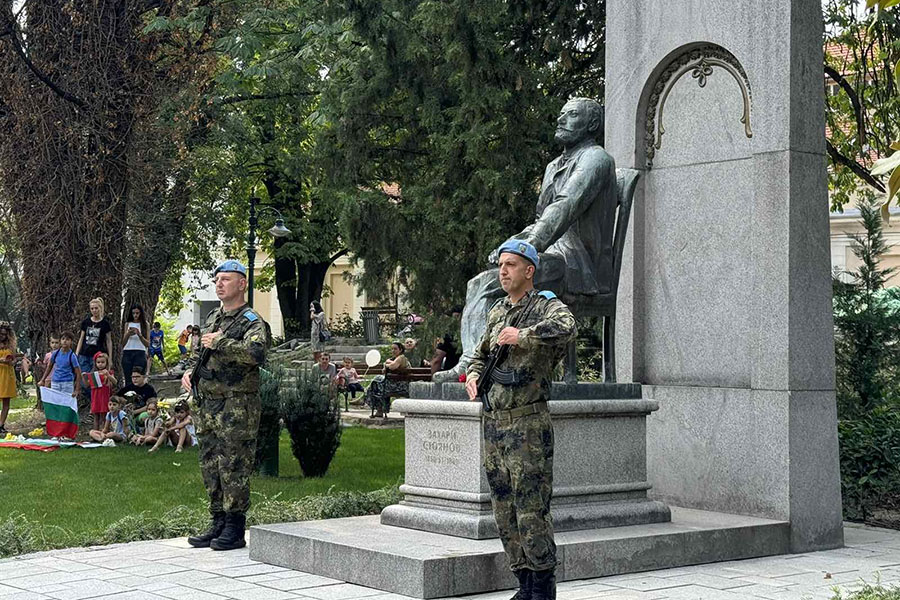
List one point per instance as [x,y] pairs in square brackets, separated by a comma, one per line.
[261,593]
[699,592]
[132,595]
[32,581]
[220,585]
[582,592]
[630,595]
[22,595]
[343,591]
[88,588]
[185,577]
[180,592]
[771,582]
[8,570]
[707,580]
[262,578]
[647,583]
[300,581]
[254,569]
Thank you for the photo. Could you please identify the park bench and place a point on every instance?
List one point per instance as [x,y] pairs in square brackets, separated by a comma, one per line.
[413,374]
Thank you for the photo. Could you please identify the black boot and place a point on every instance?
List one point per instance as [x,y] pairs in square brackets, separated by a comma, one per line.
[525,581]
[232,537]
[544,585]
[203,540]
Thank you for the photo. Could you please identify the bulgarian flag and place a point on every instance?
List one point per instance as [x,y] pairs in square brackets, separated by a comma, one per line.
[61,410]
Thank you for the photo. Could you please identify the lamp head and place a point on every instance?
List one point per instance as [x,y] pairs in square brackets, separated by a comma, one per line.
[279,230]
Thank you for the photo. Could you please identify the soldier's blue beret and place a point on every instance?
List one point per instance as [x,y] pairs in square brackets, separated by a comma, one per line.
[522,248]
[231,266]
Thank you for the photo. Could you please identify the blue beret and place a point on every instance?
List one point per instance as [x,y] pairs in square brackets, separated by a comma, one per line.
[231,266]
[522,248]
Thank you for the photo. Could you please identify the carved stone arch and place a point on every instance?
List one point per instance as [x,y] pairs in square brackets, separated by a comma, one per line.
[699,60]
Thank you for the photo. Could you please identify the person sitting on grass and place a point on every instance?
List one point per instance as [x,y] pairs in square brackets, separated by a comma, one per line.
[116,428]
[137,394]
[179,430]
[153,426]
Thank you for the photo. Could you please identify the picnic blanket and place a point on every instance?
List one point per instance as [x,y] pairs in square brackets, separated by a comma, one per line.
[42,445]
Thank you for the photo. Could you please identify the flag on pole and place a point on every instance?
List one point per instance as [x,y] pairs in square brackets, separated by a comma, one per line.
[61,410]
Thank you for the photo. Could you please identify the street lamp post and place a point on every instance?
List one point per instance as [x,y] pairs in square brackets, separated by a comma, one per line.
[278,230]
[268,448]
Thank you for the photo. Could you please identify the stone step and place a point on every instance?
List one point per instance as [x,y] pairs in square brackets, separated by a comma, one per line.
[421,564]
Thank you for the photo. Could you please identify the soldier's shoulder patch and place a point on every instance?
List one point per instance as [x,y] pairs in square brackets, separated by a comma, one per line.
[250,315]
[547,294]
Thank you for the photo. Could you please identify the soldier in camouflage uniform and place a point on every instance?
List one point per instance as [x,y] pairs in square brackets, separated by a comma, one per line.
[518,433]
[233,347]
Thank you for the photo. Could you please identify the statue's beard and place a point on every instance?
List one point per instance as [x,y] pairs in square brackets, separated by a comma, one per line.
[568,138]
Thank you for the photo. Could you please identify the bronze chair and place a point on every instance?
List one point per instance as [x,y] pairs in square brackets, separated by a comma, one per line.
[604,305]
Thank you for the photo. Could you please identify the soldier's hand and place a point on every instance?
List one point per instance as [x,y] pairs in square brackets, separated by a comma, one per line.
[186,381]
[472,387]
[509,336]
[208,338]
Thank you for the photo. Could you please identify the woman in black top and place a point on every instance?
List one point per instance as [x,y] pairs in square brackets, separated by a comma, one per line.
[94,336]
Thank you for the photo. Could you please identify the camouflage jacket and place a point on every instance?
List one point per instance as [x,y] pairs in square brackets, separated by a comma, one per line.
[542,344]
[236,356]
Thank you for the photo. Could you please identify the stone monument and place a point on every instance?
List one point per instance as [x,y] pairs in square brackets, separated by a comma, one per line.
[724,309]
[724,317]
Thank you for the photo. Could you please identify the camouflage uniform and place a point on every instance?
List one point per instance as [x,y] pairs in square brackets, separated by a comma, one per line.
[228,406]
[519,448]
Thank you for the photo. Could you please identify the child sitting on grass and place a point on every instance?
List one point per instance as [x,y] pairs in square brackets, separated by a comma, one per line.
[153,426]
[116,427]
[179,430]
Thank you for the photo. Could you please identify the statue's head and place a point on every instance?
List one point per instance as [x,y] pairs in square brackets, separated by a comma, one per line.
[580,119]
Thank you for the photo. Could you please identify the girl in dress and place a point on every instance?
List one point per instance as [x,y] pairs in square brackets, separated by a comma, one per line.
[7,370]
[101,381]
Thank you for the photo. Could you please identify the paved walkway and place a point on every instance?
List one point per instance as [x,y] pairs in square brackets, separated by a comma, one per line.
[170,569]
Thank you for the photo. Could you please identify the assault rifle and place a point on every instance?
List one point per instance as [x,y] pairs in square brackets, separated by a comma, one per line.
[496,358]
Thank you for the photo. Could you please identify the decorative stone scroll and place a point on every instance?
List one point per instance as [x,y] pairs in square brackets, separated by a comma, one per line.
[699,62]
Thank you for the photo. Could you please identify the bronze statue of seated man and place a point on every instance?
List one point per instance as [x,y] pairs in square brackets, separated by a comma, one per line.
[573,230]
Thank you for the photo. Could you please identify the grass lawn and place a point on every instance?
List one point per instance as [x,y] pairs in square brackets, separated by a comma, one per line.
[86,490]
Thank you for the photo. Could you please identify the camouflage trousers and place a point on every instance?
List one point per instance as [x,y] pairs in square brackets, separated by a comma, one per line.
[518,458]
[228,450]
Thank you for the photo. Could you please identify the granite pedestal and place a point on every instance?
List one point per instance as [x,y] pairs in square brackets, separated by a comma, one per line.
[600,461]
[441,540]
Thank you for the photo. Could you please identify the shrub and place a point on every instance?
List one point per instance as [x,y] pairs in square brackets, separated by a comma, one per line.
[346,326]
[870,453]
[313,419]
[176,522]
[19,535]
[870,592]
[867,324]
[270,415]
